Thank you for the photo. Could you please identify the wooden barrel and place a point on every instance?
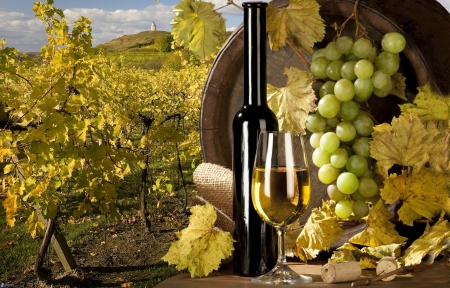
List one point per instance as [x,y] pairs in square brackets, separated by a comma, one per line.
[425,24]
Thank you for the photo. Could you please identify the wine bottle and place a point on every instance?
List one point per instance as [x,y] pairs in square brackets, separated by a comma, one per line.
[256,242]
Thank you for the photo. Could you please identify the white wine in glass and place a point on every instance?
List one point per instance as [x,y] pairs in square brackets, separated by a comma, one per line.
[280,194]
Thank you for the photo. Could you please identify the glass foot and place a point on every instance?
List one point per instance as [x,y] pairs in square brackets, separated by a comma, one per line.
[282,275]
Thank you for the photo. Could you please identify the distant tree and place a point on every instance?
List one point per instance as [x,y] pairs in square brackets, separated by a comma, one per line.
[164,43]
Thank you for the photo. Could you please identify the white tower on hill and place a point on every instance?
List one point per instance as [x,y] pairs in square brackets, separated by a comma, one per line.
[153,27]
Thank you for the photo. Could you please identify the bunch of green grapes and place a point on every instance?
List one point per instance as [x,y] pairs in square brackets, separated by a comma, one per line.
[354,71]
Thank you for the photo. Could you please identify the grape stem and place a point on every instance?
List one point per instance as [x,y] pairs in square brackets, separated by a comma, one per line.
[297,53]
[354,15]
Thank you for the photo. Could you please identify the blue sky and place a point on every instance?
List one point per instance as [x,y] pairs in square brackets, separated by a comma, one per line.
[110,18]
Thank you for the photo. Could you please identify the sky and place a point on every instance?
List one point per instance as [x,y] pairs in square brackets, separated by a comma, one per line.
[110,18]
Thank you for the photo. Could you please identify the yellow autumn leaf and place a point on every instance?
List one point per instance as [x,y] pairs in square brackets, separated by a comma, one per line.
[34,225]
[423,194]
[407,142]
[320,231]
[201,247]
[292,103]
[10,204]
[300,21]
[398,86]
[367,256]
[428,105]
[434,239]
[379,229]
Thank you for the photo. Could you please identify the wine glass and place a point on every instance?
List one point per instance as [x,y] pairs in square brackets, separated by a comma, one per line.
[280,194]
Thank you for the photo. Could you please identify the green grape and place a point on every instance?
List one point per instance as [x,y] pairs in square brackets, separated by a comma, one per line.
[329,142]
[363,88]
[393,42]
[380,79]
[387,62]
[326,88]
[319,53]
[343,90]
[344,44]
[383,92]
[319,67]
[357,165]
[345,131]
[361,146]
[339,158]
[363,69]
[329,106]
[369,172]
[350,57]
[328,173]
[344,209]
[367,187]
[362,47]
[348,70]
[314,140]
[334,70]
[334,193]
[361,100]
[320,158]
[349,110]
[347,183]
[363,124]
[332,122]
[357,196]
[372,55]
[360,209]
[331,52]
[316,123]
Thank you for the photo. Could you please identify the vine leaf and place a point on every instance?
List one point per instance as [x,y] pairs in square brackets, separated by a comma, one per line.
[398,86]
[300,21]
[320,231]
[197,26]
[379,229]
[200,247]
[367,256]
[423,194]
[292,103]
[428,105]
[407,142]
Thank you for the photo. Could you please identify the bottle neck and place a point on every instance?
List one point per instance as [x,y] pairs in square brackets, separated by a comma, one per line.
[255,90]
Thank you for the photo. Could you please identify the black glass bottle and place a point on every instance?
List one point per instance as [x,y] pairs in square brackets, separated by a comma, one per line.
[255,246]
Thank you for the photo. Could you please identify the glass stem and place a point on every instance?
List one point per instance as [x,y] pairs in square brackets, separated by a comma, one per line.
[281,261]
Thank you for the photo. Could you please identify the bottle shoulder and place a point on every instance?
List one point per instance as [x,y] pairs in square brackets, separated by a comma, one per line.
[255,114]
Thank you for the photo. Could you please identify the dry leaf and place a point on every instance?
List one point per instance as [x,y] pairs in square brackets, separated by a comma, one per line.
[398,86]
[126,284]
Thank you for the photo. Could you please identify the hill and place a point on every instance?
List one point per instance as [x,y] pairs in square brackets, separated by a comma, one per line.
[131,42]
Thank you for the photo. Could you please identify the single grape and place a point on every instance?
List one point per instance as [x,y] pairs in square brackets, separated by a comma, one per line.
[357,196]
[363,124]
[326,88]
[383,92]
[362,47]
[332,122]
[372,55]
[319,67]
[339,158]
[361,100]
[367,186]
[329,142]
[357,165]
[393,42]
[348,70]
[343,90]
[345,131]
[387,62]
[344,209]
[331,52]
[316,123]
[380,79]
[329,106]
[360,209]
[349,110]
[369,172]
[363,69]
[334,193]
[361,146]
[328,173]
[334,70]
[314,140]
[350,57]
[320,158]
[347,183]
[344,44]
[363,88]
[319,53]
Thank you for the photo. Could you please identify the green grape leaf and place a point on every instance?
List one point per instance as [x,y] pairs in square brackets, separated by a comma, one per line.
[423,194]
[407,142]
[292,103]
[379,229]
[200,247]
[434,239]
[428,105]
[300,21]
[197,27]
[320,231]
[398,86]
